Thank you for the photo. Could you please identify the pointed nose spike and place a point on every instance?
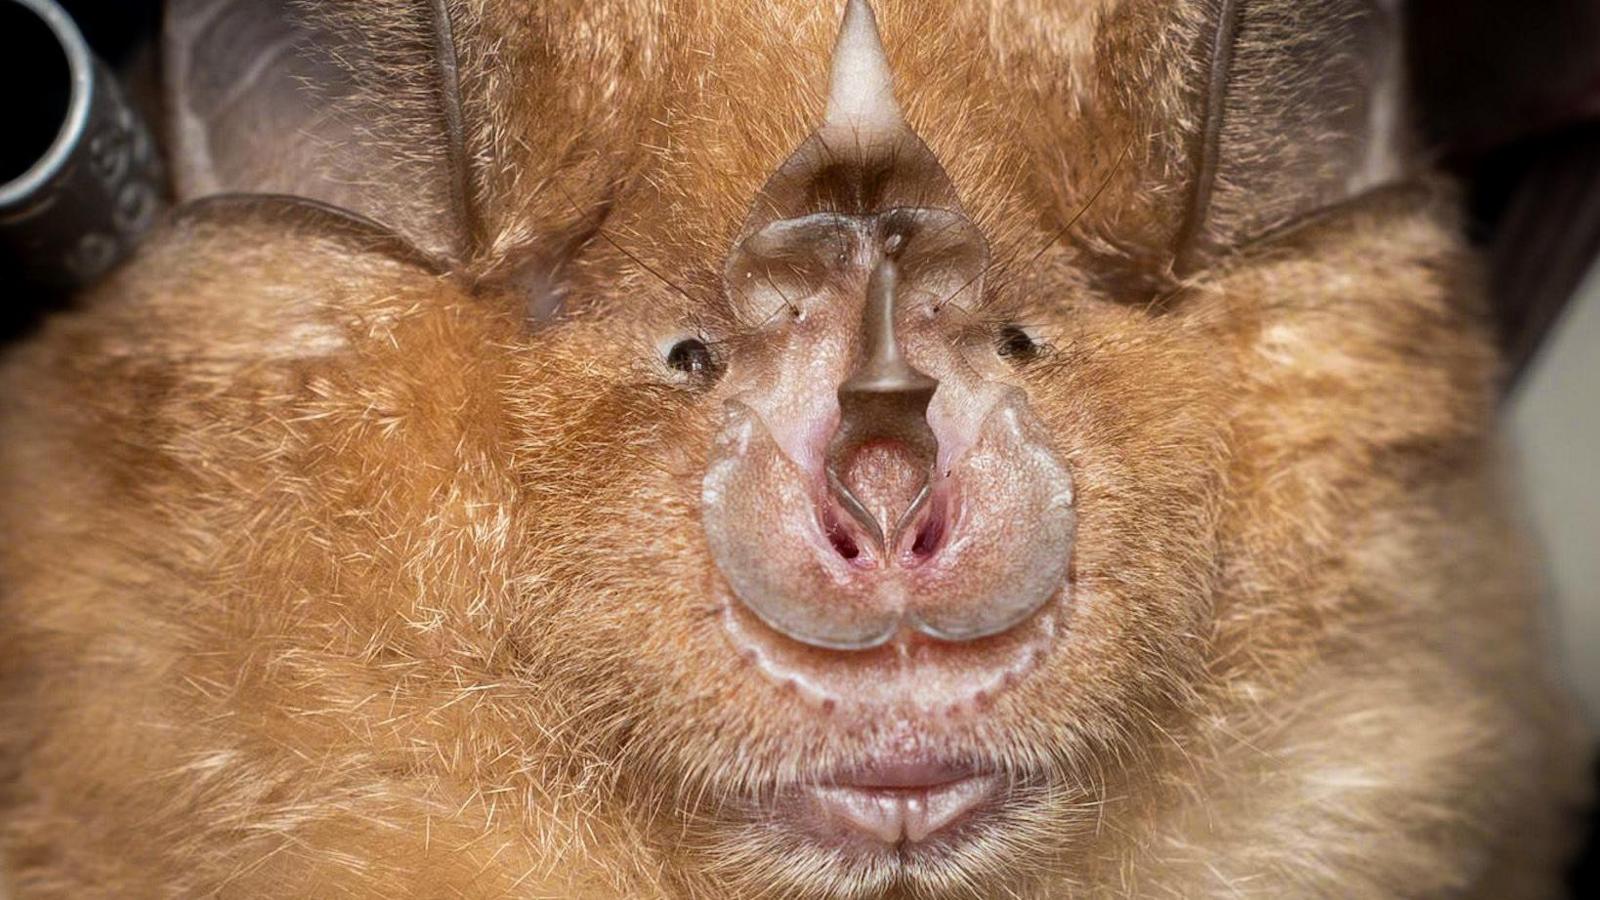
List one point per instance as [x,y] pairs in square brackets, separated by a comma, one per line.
[860,87]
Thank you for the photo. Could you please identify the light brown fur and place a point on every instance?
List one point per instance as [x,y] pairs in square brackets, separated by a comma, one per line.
[324,575]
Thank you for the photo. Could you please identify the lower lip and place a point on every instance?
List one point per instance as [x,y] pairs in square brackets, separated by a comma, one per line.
[894,814]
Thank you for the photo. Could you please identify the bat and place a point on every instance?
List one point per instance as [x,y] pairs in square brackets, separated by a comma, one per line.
[691,449]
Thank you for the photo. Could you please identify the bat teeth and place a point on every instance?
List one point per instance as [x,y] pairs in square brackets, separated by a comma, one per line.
[861,88]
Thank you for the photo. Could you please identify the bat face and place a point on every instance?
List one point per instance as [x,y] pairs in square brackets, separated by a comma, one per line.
[893,580]
[698,450]
[907,581]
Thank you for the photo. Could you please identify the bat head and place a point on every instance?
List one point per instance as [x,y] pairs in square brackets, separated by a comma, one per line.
[775,447]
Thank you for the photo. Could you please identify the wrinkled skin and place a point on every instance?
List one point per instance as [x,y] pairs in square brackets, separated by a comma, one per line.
[326,574]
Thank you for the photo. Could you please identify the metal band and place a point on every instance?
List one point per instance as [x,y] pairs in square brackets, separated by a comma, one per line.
[84,204]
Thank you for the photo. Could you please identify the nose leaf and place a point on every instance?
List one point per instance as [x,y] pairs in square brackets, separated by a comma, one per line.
[868,484]
[860,86]
[1012,509]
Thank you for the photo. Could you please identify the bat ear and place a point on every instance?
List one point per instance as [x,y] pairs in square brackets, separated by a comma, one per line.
[357,109]
[1299,106]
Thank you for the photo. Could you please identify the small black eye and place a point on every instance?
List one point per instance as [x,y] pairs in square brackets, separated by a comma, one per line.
[1016,344]
[692,357]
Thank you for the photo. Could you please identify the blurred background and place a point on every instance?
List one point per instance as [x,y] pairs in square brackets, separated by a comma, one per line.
[1553,417]
[1506,97]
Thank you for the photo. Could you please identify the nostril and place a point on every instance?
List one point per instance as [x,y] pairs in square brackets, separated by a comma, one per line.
[842,542]
[842,534]
[928,538]
[927,527]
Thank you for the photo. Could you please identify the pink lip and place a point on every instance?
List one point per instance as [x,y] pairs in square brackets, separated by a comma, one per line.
[894,803]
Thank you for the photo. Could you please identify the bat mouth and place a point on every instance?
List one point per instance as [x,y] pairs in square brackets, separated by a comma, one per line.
[894,805]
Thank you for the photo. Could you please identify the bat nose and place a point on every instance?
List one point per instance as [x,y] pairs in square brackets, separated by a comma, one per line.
[987,544]
[896,505]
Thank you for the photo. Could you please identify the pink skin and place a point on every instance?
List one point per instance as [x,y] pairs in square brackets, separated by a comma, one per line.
[912,811]
[995,538]
[901,798]
[926,637]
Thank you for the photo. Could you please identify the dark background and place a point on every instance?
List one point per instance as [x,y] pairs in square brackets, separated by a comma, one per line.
[1507,93]
[122,32]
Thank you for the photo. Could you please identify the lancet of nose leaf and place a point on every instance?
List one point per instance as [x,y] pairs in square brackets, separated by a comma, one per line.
[860,85]
[885,398]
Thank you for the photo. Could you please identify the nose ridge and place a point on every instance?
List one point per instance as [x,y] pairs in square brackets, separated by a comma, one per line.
[867,499]
[884,399]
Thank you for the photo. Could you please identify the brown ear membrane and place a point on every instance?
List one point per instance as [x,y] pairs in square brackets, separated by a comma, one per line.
[1300,105]
[358,108]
